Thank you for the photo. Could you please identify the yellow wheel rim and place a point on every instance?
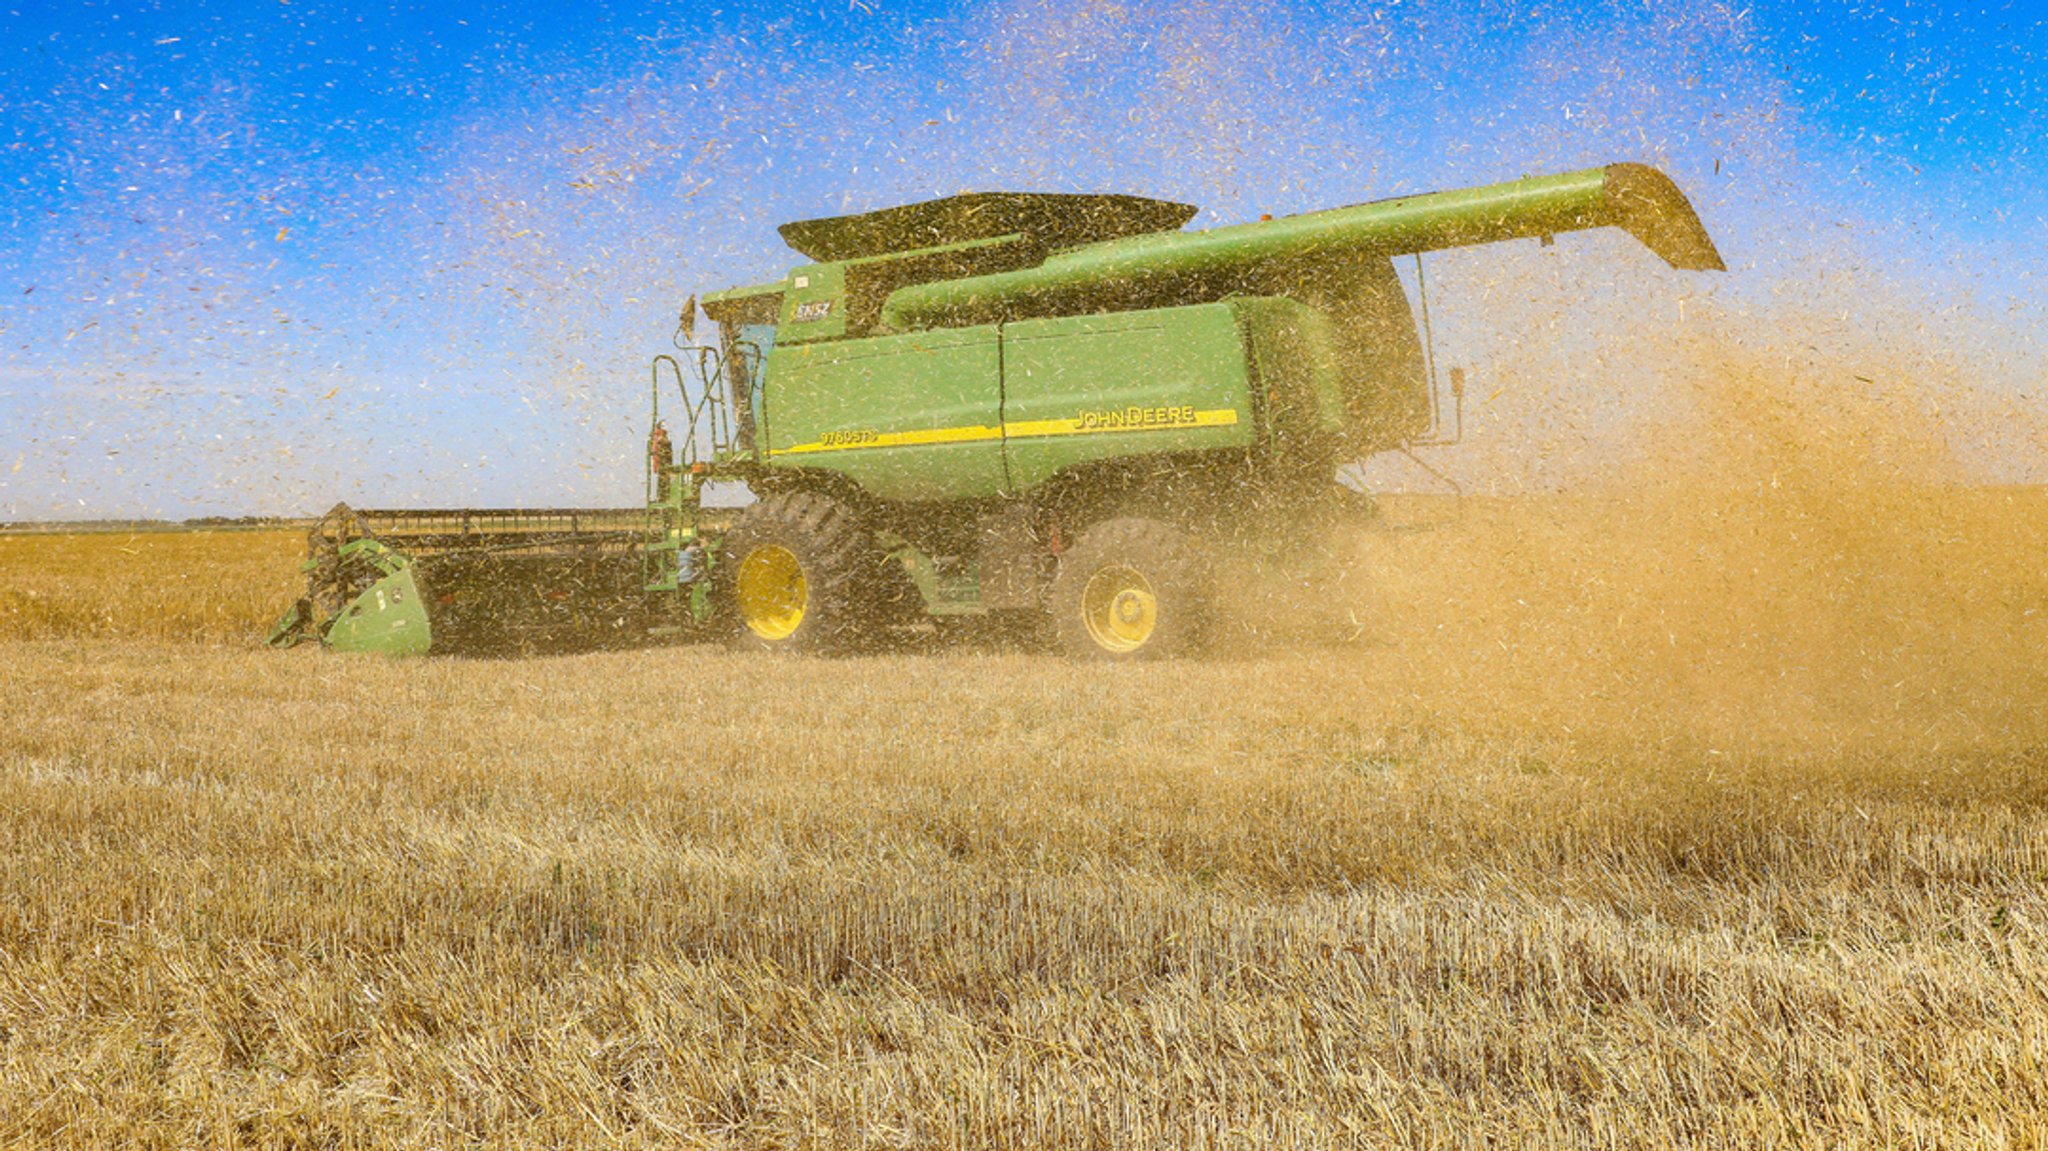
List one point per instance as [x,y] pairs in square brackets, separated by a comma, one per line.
[1119,608]
[771,592]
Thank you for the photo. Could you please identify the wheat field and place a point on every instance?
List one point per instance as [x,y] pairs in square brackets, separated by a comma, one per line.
[1453,873]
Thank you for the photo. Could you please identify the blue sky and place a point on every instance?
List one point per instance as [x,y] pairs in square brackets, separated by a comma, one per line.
[261,256]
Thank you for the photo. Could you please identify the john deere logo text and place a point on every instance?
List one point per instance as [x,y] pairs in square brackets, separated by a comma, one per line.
[1136,417]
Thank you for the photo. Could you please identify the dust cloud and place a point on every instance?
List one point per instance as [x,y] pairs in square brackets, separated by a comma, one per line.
[1797,553]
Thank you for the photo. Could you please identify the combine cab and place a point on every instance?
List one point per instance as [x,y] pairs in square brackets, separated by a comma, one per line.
[1051,410]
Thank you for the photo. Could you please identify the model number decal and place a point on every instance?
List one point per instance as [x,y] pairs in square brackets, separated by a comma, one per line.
[811,311]
[851,439]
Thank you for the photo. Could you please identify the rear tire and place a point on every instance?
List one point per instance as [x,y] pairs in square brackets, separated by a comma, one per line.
[1130,589]
[799,572]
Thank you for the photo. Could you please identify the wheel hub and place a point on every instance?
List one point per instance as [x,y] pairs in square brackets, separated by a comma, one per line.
[1120,609]
[771,592]
[1130,607]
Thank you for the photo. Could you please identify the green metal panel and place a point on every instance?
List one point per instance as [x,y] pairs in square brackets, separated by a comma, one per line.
[1087,388]
[868,282]
[911,417]
[1294,353]
[814,305]
[758,304]
[390,617]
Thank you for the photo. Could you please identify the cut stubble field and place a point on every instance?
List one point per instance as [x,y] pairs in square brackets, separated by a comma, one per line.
[1622,865]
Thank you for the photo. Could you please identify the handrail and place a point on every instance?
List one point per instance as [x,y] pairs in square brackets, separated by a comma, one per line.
[707,422]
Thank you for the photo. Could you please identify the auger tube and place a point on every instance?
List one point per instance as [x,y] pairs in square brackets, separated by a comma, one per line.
[1636,198]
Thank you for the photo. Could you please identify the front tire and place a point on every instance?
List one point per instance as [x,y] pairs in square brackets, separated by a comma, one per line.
[798,572]
[1130,589]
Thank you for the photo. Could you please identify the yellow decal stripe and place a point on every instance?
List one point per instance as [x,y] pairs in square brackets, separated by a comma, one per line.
[1016,429]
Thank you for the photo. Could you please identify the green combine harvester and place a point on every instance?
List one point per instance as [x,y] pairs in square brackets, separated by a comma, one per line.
[1054,411]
